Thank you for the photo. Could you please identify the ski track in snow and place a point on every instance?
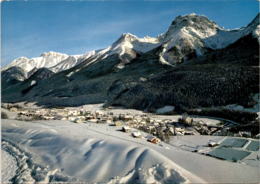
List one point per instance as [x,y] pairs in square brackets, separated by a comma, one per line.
[8,166]
[17,166]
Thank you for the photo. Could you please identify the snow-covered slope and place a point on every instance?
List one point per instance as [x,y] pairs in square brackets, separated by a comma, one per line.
[70,62]
[223,38]
[128,46]
[130,41]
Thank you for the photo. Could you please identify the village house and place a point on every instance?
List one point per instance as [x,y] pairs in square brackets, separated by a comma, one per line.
[154,140]
[128,117]
[73,113]
[109,121]
[63,113]
[90,116]
[72,118]
[13,109]
[137,134]
[48,117]
[102,121]
[93,120]
[79,119]
[186,119]
[118,123]
[126,129]
[212,144]
[99,113]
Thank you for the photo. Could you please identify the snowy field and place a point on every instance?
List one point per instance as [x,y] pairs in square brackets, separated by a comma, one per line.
[61,151]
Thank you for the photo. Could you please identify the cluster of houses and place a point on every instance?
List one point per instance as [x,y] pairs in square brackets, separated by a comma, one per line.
[162,128]
[126,121]
[159,128]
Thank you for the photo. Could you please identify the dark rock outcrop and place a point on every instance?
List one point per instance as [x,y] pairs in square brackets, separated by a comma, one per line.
[12,76]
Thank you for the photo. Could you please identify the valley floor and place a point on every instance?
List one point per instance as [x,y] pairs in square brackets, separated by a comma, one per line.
[62,151]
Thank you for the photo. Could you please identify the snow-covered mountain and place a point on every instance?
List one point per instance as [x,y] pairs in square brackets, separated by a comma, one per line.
[47,59]
[54,61]
[188,36]
[194,35]
[127,47]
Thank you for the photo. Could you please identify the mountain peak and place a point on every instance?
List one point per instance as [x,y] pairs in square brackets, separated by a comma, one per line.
[126,37]
[23,57]
[190,25]
[52,53]
[193,20]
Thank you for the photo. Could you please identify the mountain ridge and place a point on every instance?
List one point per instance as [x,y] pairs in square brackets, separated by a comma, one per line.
[122,75]
[186,35]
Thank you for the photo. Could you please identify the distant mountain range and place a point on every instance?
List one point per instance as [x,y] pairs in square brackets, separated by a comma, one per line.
[187,35]
[195,63]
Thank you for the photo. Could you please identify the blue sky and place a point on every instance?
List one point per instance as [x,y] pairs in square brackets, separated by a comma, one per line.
[33,27]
